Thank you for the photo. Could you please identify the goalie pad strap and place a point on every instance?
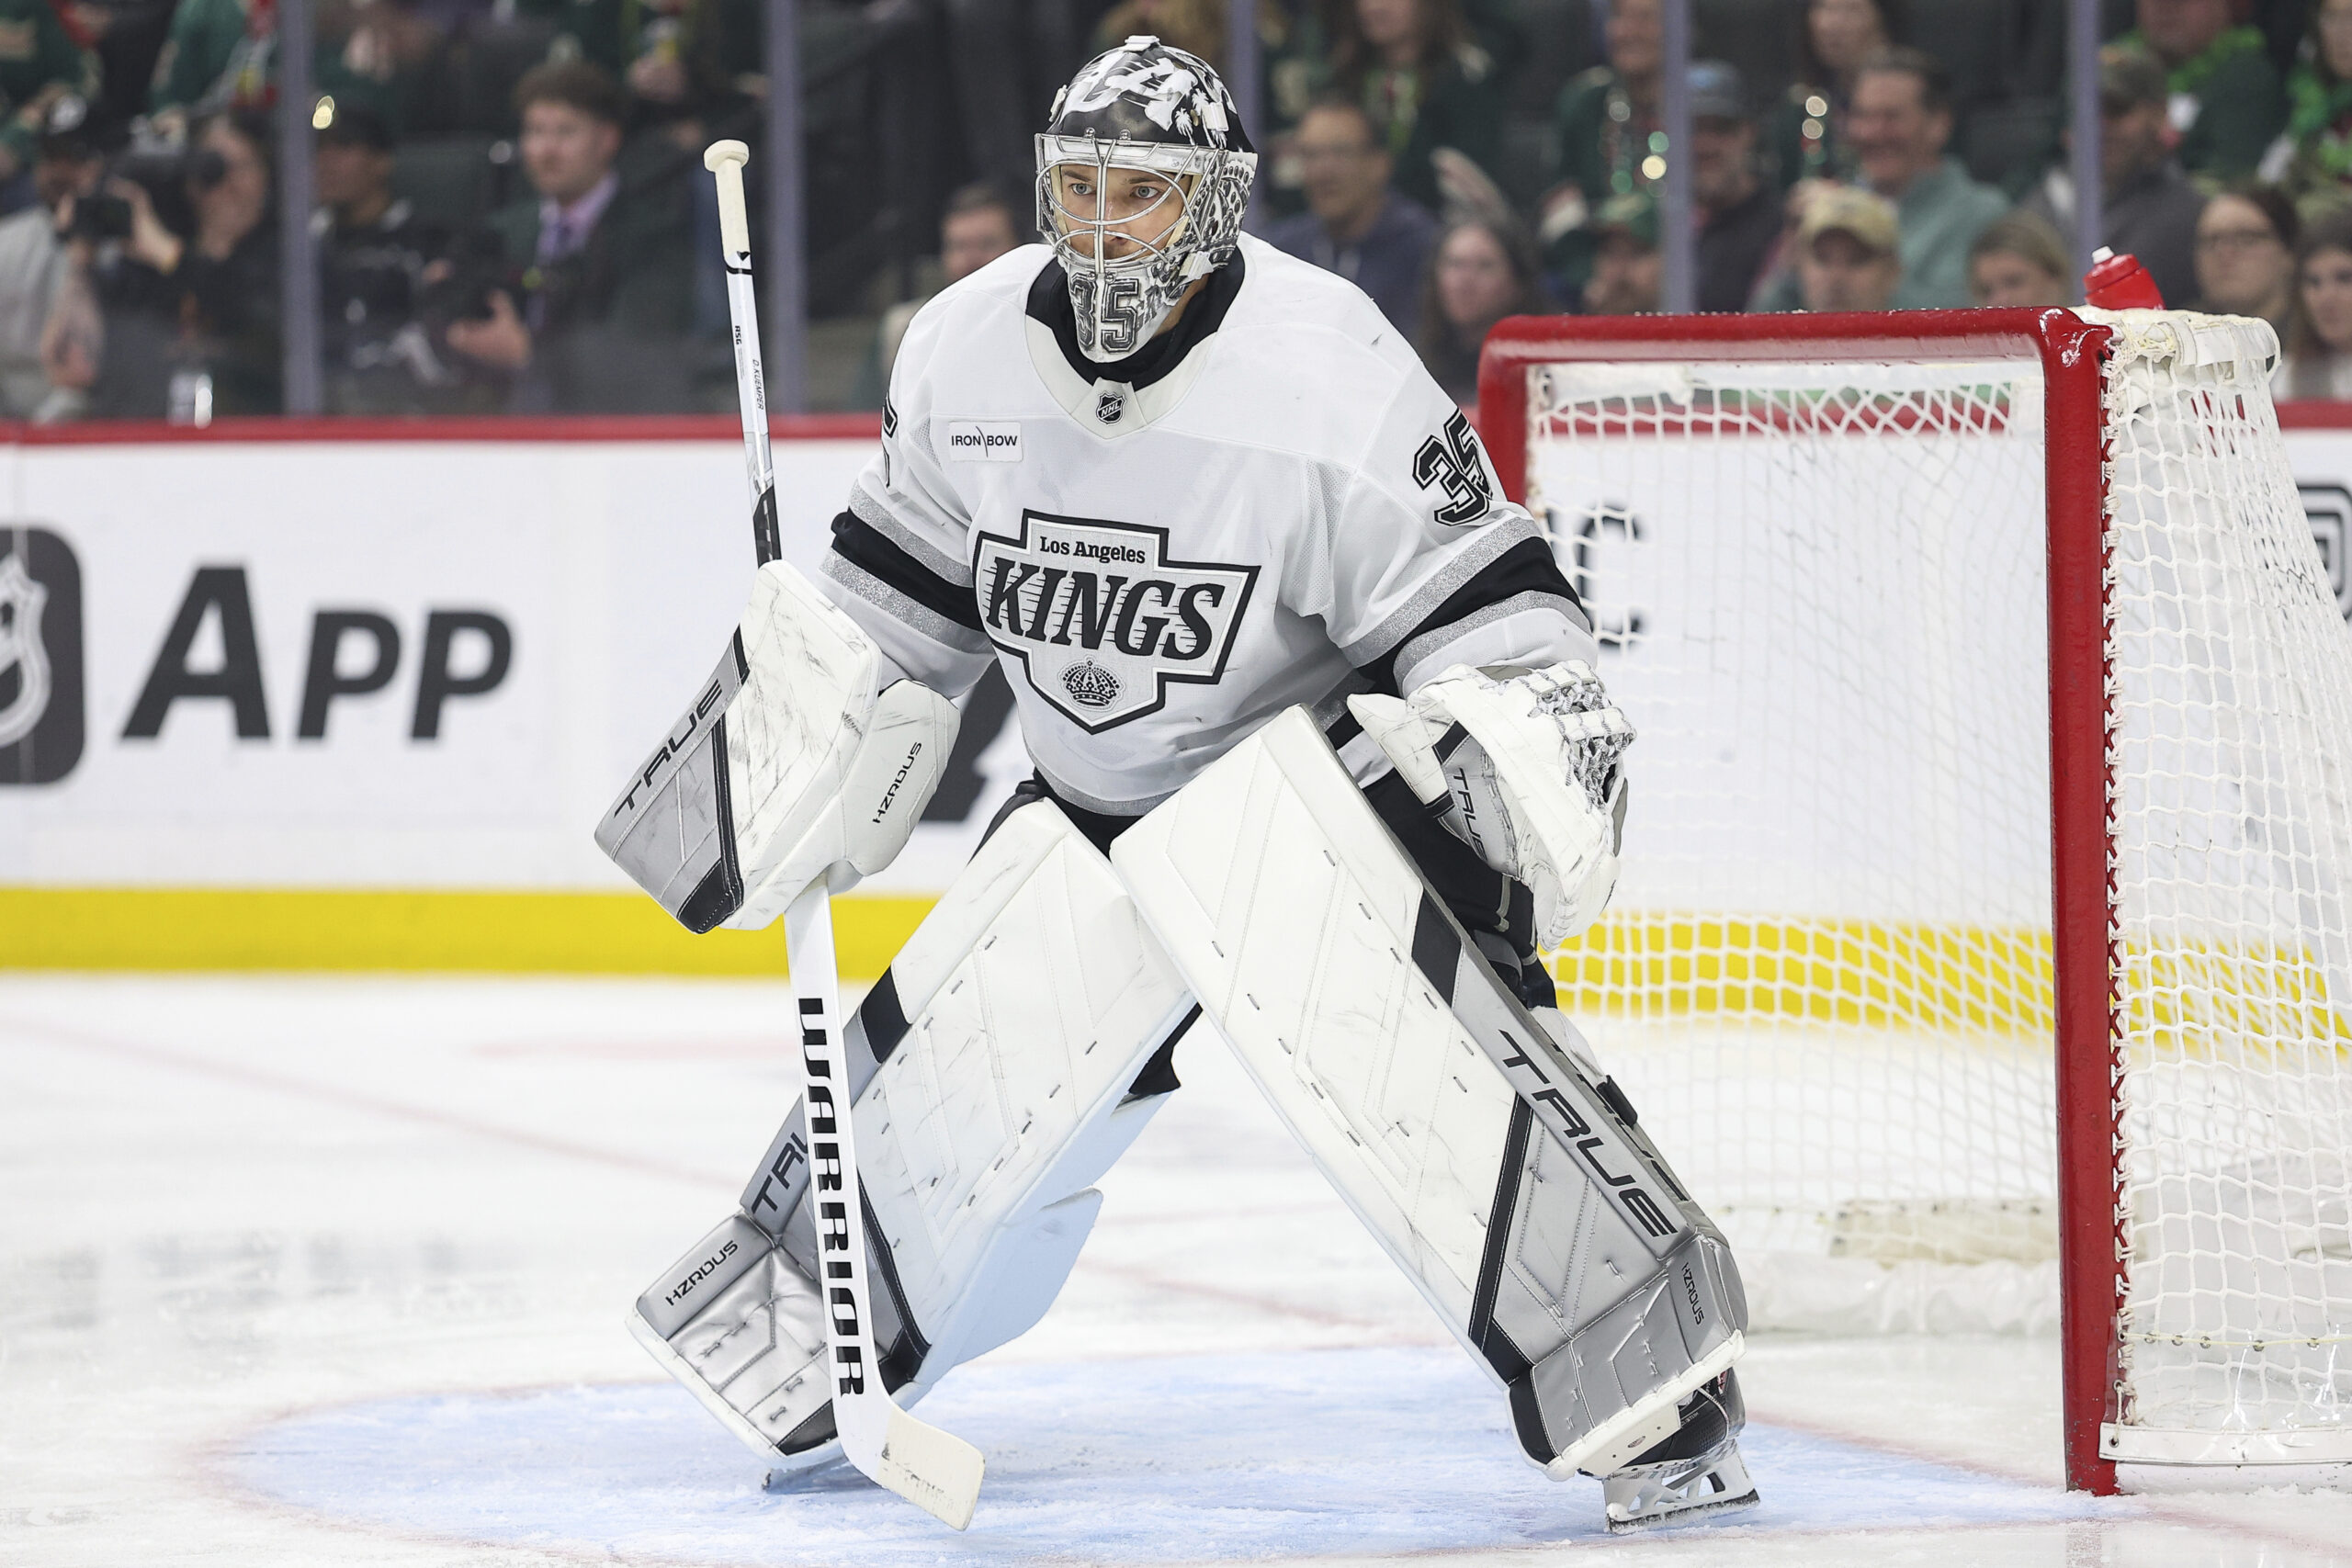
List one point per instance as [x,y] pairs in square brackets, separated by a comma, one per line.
[720,892]
[1492,1342]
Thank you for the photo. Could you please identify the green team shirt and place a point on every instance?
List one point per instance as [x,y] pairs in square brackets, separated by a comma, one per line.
[2241,102]
[36,52]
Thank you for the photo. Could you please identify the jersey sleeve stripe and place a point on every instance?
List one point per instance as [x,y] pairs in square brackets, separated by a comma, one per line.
[1419,650]
[913,614]
[866,548]
[1521,575]
[1421,611]
[877,516]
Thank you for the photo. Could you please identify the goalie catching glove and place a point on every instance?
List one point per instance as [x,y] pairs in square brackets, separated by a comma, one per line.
[808,754]
[1526,765]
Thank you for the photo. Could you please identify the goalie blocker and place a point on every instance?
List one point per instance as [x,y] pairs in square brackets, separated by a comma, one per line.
[806,754]
[1521,1198]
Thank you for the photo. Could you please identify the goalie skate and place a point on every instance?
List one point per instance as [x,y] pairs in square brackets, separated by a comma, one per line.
[1697,1470]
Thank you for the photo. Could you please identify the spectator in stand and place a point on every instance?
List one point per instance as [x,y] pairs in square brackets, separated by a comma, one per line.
[33,262]
[220,54]
[1834,38]
[977,227]
[1899,124]
[1850,255]
[39,63]
[1482,270]
[1739,215]
[2227,100]
[125,36]
[2318,361]
[1412,67]
[2245,255]
[1196,26]
[1356,223]
[1008,58]
[2314,155]
[190,322]
[604,291]
[1609,136]
[1610,146]
[1628,271]
[379,267]
[686,62]
[2148,208]
[2020,261]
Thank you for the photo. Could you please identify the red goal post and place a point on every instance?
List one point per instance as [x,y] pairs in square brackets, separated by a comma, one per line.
[1805,448]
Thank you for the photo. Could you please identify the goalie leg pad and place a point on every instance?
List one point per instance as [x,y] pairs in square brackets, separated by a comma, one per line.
[1540,1224]
[990,1070]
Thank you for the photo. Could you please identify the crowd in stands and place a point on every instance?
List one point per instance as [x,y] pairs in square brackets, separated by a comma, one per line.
[511,214]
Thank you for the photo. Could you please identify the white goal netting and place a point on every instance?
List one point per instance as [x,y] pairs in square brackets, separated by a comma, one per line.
[1827,976]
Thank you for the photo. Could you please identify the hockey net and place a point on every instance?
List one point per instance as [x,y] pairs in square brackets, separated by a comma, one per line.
[1825,558]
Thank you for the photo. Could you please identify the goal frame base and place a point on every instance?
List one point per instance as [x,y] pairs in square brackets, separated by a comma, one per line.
[2146,1445]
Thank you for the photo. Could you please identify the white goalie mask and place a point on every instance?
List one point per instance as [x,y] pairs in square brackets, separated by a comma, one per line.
[1141,107]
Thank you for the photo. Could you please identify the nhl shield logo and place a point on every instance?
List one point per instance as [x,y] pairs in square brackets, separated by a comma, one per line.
[1110,407]
[41,657]
[21,602]
[1101,619]
[2328,508]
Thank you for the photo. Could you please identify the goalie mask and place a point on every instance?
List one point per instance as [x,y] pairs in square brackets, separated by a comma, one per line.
[1131,247]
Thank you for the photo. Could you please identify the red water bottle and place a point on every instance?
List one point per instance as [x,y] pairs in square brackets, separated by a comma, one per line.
[2119,282]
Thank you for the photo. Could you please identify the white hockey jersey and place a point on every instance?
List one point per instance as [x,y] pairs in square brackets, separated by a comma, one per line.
[1271,503]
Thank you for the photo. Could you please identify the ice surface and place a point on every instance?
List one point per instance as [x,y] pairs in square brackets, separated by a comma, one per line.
[1374,1451]
[299,1271]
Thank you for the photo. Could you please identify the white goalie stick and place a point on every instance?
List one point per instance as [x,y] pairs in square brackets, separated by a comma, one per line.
[933,1470]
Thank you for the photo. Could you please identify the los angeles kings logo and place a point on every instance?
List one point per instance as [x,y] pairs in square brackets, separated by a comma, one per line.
[1103,621]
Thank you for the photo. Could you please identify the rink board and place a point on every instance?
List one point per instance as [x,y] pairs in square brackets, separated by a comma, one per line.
[432,826]
[429,827]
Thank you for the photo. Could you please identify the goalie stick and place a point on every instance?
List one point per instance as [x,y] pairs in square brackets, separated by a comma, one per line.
[933,1470]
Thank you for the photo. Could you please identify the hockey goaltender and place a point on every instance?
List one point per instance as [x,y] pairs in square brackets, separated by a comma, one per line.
[1321,766]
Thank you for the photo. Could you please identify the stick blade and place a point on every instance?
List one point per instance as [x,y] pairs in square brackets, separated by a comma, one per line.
[937,1472]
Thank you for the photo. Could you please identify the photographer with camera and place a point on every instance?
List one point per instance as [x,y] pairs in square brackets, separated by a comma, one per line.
[389,284]
[33,262]
[191,326]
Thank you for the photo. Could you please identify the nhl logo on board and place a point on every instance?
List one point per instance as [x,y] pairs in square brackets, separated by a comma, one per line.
[21,602]
[41,657]
[1103,621]
[1091,684]
[2328,508]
